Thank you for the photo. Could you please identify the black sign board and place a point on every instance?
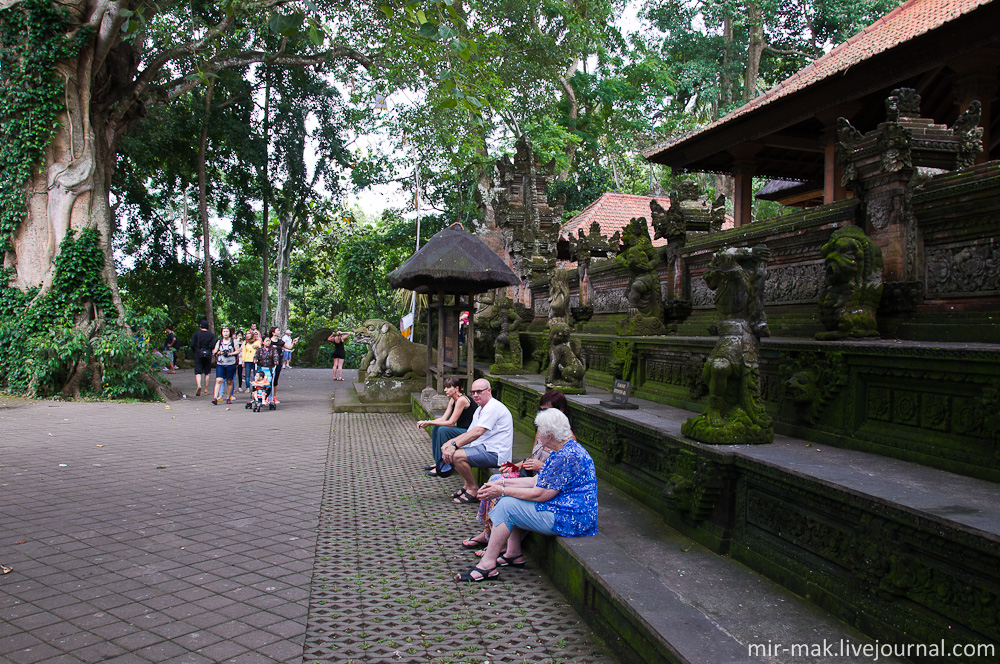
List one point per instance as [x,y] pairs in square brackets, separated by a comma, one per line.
[619,396]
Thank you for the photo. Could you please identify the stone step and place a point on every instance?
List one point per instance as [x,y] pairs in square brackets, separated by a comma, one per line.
[904,552]
[655,595]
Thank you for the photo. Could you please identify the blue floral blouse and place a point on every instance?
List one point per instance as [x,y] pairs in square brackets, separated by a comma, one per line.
[571,472]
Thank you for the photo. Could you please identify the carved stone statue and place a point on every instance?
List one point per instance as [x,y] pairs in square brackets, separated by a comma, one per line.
[507,347]
[566,369]
[559,296]
[643,292]
[583,248]
[735,414]
[394,367]
[852,288]
[392,355]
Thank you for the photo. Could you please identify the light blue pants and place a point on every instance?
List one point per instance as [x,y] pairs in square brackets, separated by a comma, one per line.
[517,513]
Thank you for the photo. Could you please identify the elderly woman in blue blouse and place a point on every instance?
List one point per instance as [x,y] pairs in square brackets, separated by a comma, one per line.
[560,500]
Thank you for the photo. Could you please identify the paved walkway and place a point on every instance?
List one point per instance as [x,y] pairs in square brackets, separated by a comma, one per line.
[195,533]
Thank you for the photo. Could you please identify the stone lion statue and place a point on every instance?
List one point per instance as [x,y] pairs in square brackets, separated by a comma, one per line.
[390,353]
[852,287]
[566,370]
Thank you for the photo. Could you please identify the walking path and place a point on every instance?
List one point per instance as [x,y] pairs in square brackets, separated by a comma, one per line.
[194,533]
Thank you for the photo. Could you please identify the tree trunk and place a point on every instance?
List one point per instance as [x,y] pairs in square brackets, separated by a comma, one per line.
[203,206]
[265,304]
[570,94]
[71,192]
[285,229]
[727,80]
[755,24]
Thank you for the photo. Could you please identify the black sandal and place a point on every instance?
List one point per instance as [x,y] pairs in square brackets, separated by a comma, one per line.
[465,498]
[484,575]
[503,561]
[472,543]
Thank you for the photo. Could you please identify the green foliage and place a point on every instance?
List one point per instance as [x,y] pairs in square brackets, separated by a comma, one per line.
[33,38]
[709,66]
[46,338]
[367,254]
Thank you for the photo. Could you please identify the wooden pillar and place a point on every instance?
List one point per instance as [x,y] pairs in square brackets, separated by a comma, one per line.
[441,324]
[832,189]
[430,298]
[743,172]
[470,345]
[743,194]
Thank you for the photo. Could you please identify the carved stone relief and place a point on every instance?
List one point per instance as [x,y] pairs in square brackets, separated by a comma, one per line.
[610,300]
[702,296]
[963,269]
[792,284]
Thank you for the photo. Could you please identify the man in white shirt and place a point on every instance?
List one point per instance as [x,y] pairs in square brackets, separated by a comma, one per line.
[488,443]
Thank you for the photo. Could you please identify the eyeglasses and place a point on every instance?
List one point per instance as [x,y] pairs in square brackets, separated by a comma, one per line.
[479,391]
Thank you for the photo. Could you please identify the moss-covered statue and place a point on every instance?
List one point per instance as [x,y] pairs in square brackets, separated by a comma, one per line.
[559,296]
[507,347]
[735,414]
[390,354]
[566,369]
[852,287]
[638,256]
[394,366]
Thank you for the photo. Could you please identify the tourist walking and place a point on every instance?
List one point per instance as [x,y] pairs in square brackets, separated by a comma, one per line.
[202,343]
[339,353]
[239,360]
[288,347]
[279,346]
[266,360]
[225,364]
[248,355]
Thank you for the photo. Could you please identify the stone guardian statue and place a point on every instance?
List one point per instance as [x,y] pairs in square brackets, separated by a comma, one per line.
[852,287]
[735,414]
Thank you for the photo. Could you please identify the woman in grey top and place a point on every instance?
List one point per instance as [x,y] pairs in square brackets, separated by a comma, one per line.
[225,363]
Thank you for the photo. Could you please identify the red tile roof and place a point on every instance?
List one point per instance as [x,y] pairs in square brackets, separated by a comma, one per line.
[902,24]
[613,211]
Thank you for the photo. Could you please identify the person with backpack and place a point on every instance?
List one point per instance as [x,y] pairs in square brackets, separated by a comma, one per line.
[202,344]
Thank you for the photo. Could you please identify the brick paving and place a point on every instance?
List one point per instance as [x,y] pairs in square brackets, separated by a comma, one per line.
[194,533]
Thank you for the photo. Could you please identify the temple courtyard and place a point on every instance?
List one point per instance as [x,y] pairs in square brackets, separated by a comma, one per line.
[190,533]
[186,532]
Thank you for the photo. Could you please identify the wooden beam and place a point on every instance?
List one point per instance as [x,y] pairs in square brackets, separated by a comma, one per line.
[796,143]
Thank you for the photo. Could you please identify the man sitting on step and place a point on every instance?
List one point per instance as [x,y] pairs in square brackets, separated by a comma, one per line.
[488,443]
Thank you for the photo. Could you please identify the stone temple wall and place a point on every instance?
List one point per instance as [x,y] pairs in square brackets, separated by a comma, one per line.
[957,243]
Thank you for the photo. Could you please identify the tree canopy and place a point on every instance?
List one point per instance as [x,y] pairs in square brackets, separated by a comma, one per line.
[216,143]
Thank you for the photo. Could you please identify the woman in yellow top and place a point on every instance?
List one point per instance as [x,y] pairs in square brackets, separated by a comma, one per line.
[250,345]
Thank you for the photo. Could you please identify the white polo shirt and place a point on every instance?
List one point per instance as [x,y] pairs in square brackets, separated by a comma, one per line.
[499,425]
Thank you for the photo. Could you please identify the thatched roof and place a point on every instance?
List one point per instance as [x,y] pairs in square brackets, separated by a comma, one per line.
[453,261]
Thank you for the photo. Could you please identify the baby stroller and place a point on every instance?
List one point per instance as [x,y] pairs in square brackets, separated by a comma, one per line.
[261,391]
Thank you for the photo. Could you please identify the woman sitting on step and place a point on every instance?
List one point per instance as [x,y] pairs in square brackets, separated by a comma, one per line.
[560,500]
[455,421]
[527,468]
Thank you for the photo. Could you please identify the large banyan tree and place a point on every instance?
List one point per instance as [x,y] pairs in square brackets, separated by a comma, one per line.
[75,74]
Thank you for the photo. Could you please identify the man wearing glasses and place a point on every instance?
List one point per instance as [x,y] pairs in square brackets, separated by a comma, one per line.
[487,444]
